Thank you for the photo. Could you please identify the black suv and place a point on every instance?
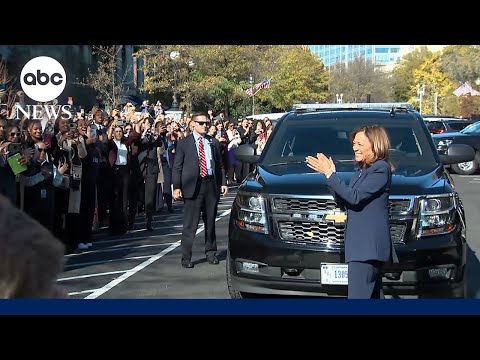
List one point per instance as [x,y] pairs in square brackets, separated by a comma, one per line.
[440,125]
[469,136]
[285,224]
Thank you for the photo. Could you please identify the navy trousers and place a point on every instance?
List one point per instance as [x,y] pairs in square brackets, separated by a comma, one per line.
[365,280]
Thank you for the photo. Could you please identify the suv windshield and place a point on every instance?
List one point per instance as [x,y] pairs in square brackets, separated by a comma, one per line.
[306,134]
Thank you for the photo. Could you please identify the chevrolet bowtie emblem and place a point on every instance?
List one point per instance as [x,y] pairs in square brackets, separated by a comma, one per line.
[339,217]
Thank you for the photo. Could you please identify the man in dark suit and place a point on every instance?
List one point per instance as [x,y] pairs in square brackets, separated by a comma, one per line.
[148,161]
[199,178]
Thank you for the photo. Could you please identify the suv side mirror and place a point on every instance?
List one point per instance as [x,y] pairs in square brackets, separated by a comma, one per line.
[458,153]
[246,153]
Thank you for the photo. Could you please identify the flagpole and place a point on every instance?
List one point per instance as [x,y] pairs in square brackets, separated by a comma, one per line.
[253,96]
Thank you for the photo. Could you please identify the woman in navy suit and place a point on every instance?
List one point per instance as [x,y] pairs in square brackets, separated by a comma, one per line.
[367,236]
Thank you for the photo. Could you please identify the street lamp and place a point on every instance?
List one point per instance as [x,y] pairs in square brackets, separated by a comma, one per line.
[253,94]
[188,93]
[339,98]
[420,93]
[174,55]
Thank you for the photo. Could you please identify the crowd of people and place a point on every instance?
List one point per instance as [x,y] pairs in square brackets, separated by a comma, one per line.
[102,168]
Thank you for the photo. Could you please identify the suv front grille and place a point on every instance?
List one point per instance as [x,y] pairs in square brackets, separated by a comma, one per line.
[397,233]
[311,232]
[292,217]
[395,205]
[304,204]
[331,234]
[398,205]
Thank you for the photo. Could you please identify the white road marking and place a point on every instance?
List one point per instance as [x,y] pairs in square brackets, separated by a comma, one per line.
[128,239]
[154,228]
[81,292]
[143,265]
[122,247]
[107,261]
[92,275]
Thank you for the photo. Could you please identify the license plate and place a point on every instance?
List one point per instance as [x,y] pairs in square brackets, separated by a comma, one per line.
[334,274]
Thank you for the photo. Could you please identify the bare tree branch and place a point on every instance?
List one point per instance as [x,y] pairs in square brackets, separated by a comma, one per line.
[108,80]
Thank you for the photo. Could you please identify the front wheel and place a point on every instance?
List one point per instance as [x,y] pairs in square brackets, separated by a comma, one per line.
[234,294]
[466,168]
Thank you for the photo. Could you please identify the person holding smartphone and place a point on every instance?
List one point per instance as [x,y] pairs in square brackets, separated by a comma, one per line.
[90,165]
[118,148]
[39,186]
[7,177]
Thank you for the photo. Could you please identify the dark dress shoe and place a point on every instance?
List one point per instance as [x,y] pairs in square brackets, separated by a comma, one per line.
[187,264]
[213,260]
[149,225]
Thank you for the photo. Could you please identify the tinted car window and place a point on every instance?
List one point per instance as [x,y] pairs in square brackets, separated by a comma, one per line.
[457,126]
[435,125]
[307,134]
[472,128]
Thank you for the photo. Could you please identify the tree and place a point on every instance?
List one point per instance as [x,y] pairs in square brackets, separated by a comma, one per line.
[297,76]
[461,63]
[403,79]
[434,81]
[107,79]
[358,79]
[202,76]
[7,87]
[175,70]
[216,76]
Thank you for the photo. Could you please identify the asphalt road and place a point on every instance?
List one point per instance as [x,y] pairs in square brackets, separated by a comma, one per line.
[468,188]
[146,265]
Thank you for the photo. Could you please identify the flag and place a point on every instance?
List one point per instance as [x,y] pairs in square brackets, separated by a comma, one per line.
[463,89]
[474,92]
[249,92]
[265,84]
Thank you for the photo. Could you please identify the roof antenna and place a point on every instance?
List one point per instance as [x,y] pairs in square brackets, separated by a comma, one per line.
[392,112]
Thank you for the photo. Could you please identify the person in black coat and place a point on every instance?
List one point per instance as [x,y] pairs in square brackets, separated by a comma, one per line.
[198,176]
[148,162]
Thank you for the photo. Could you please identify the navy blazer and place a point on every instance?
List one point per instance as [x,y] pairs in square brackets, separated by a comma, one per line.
[186,167]
[367,233]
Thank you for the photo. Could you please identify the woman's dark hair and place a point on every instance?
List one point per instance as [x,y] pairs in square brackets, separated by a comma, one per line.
[378,138]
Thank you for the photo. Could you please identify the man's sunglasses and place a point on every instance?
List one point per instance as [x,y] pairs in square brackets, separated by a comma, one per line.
[203,122]
[15,134]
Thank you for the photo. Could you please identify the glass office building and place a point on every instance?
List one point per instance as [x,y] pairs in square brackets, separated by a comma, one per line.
[386,55]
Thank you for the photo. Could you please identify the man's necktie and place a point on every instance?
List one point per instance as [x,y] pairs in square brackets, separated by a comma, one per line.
[202,158]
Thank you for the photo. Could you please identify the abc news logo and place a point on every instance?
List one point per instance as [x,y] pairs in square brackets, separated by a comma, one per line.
[43,79]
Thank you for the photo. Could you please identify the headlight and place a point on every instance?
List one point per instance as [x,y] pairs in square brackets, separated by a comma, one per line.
[442,145]
[437,214]
[445,142]
[251,214]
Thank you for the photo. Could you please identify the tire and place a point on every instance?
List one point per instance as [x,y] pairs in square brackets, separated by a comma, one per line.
[467,168]
[234,294]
